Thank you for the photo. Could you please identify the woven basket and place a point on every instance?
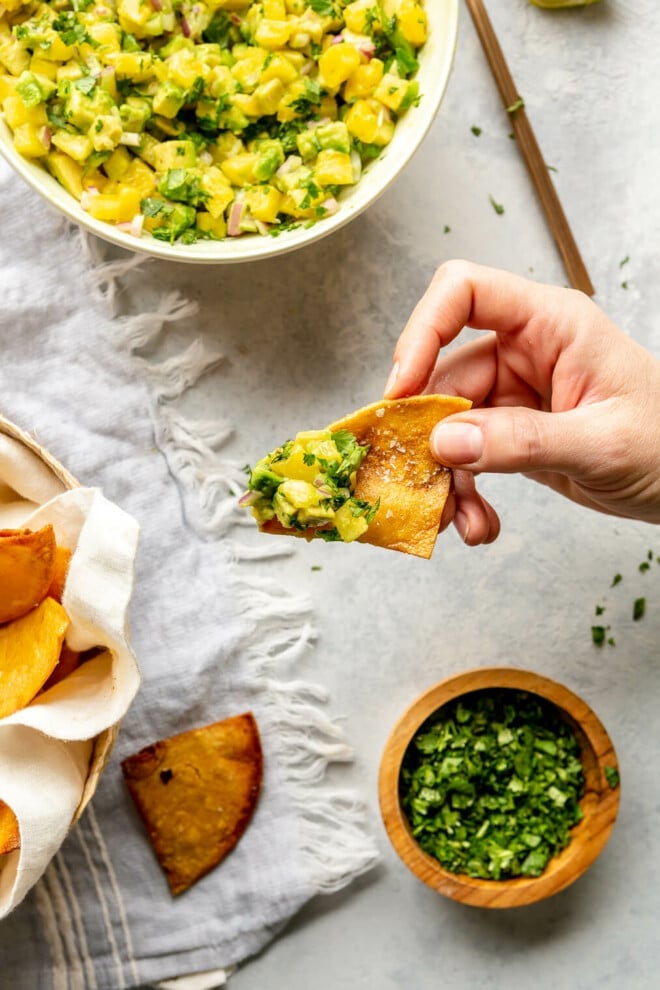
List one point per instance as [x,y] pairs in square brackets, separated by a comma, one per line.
[103,743]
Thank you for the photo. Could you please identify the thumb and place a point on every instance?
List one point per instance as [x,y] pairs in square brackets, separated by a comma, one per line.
[514,439]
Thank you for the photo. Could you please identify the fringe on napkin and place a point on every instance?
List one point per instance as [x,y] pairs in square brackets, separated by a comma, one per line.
[279,622]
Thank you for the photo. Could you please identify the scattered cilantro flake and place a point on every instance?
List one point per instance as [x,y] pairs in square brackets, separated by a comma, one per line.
[316,567]
[551,168]
[624,261]
[491,785]
[447,230]
[476,131]
[518,105]
[644,566]
[324,8]
[600,609]
[624,285]
[499,209]
[598,635]
[616,580]
[612,776]
[639,608]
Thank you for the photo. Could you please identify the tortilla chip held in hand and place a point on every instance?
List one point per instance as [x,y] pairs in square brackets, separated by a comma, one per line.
[368,477]
[196,793]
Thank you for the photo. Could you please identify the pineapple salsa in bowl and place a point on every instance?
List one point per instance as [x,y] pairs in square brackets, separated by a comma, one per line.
[211,130]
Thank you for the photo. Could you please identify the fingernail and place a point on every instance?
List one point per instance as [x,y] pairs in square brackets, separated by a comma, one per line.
[391,381]
[457,443]
[462,524]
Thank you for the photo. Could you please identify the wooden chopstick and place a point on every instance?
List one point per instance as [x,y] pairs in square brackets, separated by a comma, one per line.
[538,170]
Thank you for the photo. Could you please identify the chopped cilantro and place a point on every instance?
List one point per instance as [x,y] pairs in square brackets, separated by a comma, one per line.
[476,131]
[624,285]
[499,209]
[324,8]
[616,580]
[315,567]
[309,459]
[639,608]
[446,230]
[311,98]
[598,635]
[491,785]
[624,261]
[611,776]
[85,84]
[644,566]
[600,609]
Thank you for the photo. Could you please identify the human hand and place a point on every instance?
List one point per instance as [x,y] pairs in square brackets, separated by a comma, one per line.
[560,394]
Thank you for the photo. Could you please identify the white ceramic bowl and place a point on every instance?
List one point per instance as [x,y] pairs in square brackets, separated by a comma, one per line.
[435,62]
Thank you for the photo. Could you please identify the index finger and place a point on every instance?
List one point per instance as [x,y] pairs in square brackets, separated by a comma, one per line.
[462,294]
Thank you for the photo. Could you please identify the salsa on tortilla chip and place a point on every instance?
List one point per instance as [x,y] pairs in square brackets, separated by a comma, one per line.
[369,477]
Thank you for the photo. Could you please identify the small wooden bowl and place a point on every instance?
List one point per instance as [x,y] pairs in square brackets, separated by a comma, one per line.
[599,804]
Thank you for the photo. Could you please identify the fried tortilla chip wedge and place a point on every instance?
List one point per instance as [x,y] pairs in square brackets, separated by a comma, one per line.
[10,837]
[29,652]
[399,471]
[196,793]
[27,562]
[60,570]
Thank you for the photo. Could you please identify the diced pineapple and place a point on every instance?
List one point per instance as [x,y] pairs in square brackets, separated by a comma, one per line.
[412,22]
[218,188]
[334,168]
[105,34]
[148,149]
[247,103]
[16,113]
[275,10]
[7,86]
[360,14]
[14,58]
[337,63]
[31,141]
[348,526]
[364,80]
[140,177]
[240,168]
[216,227]
[76,146]
[119,207]
[105,132]
[268,96]
[184,69]
[116,165]
[263,203]
[56,51]
[391,90]
[136,66]
[362,121]
[41,67]
[66,171]
[174,154]
[225,146]
[271,34]
[279,67]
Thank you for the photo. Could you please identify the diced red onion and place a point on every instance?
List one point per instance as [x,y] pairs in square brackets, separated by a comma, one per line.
[330,205]
[156,4]
[307,67]
[248,498]
[185,28]
[137,225]
[262,227]
[368,49]
[45,136]
[87,196]
[130,138]
[234,221]
[288,165]
[337,39]
[124,226]
[235,19]
[206,157]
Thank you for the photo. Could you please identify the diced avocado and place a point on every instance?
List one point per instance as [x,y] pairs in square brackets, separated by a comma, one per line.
[334,136]
[175,154]
[135,113]
[168,99]
[34,89]
[307,144]
[183,185]
[270,157]
[264,480]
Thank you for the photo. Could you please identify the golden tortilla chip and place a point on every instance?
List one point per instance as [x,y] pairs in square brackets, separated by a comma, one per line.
[196,793]
[400,471]
[29,651]
[10,836]
[27,561]
[60,571]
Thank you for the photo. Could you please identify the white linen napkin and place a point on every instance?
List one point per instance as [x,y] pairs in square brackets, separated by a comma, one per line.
[213,637]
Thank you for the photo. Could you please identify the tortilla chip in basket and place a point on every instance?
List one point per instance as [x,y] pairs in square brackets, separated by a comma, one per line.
[10,837]
[29,652]
[196,793]
[398,473]
[27,562]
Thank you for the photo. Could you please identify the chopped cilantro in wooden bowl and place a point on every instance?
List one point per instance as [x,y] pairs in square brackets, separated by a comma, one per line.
[499,787]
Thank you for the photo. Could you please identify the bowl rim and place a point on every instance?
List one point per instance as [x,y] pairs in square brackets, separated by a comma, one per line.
[600,802]
[409,136]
